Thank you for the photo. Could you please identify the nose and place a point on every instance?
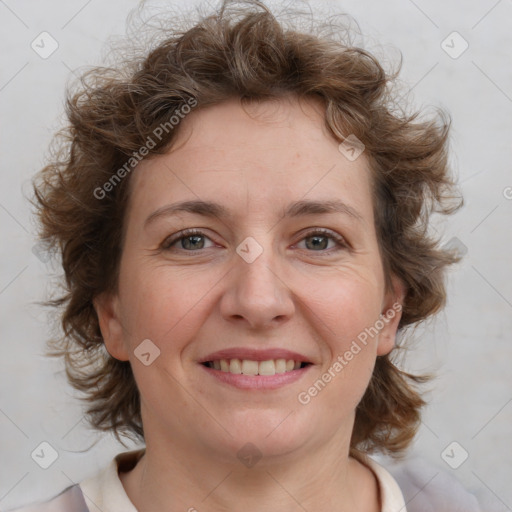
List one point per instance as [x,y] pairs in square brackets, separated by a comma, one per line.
[256,293]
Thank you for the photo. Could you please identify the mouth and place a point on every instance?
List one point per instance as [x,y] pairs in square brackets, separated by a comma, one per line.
[256,369]
[252,367]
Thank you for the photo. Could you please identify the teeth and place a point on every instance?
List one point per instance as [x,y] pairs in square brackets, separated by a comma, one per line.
[249,367]
[267,368]
[235,366]
[280,365]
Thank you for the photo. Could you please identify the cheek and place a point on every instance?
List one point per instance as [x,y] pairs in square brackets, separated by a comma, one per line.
[162,305]
[345,309]
[344,305]
[168,309]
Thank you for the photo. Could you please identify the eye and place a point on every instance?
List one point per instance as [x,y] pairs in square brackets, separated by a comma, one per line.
[318,240]
[191,240]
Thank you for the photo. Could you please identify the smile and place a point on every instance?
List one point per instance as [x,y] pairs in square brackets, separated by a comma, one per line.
[253,368]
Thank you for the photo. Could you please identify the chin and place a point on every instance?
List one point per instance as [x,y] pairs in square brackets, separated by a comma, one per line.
[265,434]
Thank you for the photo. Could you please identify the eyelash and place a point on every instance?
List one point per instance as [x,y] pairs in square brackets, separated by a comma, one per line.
[342,243]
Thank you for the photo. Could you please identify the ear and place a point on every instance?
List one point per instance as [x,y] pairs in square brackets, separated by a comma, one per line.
[107,309]
[390,316]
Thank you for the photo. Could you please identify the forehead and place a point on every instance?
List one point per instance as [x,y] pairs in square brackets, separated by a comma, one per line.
[253,157]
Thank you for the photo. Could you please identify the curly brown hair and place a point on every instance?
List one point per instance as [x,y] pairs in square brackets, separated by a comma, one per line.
[243,51]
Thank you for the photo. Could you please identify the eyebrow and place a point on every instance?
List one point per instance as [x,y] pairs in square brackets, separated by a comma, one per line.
[295,209]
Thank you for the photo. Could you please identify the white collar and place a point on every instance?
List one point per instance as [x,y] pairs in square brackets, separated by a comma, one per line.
[104,492]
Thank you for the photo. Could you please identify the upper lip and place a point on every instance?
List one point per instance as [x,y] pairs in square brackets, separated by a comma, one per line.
[254,354]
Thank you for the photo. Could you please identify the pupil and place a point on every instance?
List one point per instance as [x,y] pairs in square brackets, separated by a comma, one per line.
[317,244]
[195,244]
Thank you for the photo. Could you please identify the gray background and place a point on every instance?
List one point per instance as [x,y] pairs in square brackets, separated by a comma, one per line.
[469,344]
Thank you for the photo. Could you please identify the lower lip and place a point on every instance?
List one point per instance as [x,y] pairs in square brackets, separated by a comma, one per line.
[257,381]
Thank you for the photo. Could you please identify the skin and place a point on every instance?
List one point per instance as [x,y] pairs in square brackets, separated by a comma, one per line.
[254,160]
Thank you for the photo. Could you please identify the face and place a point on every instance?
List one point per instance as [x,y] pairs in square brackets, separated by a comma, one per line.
[280,263]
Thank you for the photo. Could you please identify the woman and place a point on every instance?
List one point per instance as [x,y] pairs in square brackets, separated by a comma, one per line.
[241,216]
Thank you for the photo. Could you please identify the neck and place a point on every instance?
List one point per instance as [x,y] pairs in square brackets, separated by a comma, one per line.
[173,478]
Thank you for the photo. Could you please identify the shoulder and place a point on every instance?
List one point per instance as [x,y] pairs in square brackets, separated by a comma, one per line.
[391,496]
[427,488]
[103,491]
[70,499]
